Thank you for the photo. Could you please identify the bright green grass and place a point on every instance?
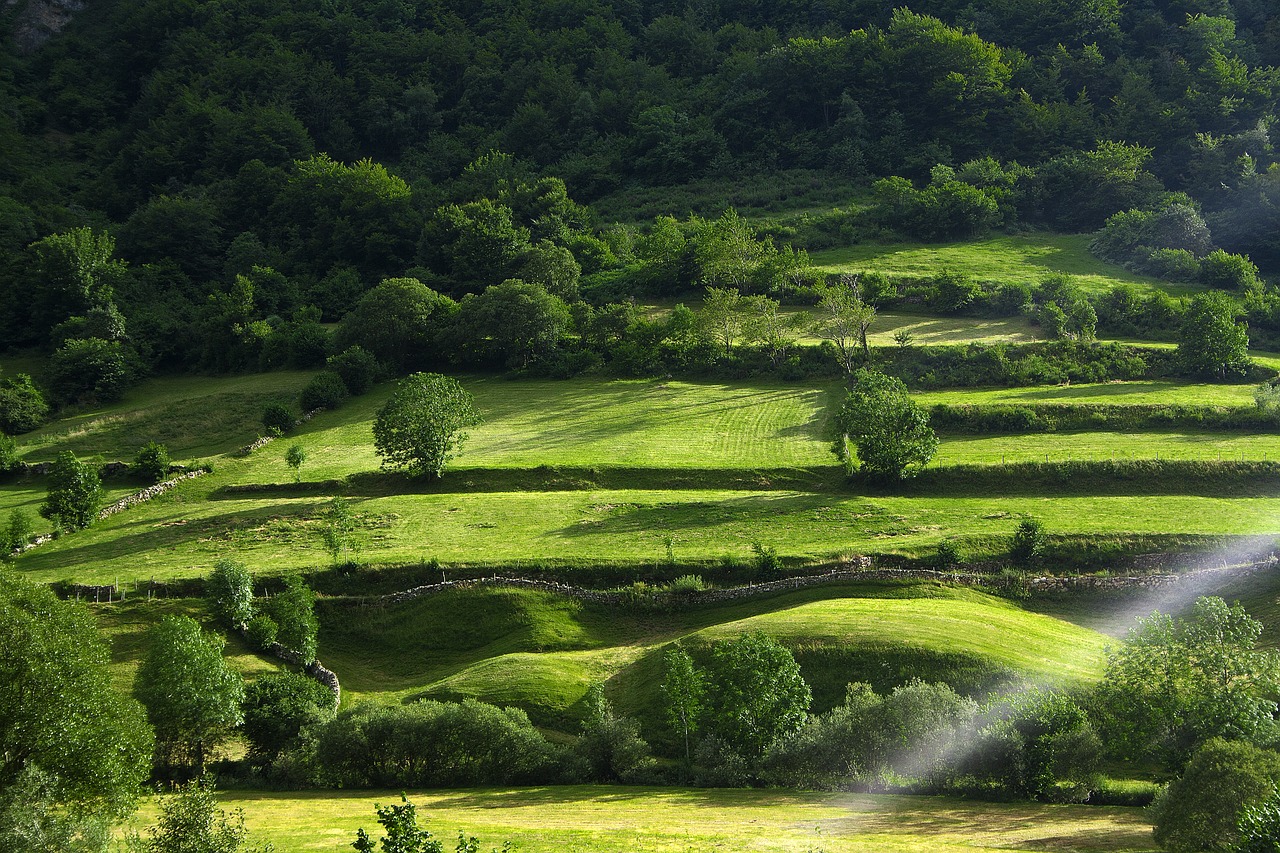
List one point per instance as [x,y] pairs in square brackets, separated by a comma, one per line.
[542,652]
[194,416]
[1076,446]
[28,495]
[1028,259]
[618,819]
[184,534]
[936,331]
[1146,393]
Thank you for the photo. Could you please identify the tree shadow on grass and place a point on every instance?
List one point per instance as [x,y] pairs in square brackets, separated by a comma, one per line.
[152,534]
[551,478]
[627,518]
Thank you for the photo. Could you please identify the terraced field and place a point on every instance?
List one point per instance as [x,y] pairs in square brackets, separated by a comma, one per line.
[584,471]
[1025,258]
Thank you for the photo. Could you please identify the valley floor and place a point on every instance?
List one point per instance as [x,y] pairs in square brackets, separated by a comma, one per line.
[619,819]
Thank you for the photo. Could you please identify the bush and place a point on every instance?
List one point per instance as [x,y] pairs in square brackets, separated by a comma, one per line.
[433,744]
[1027,546]
[357,367]
[89,370]
[611,745]
[1199,811]
[277,707]
[229,592]
[8,453]
[325,391]
[1173,265]
[152,461]
[261,632]
[277,419]
[22,406]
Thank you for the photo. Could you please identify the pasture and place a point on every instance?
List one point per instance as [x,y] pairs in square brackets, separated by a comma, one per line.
[584,471]
[621,819]
[1028,259]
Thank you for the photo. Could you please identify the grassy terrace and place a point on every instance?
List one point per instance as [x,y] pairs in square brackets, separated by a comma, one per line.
[1029,258]
[619,819]
[542,652]
[588,471]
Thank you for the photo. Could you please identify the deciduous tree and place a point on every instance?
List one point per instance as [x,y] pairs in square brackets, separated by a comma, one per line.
[889,431]
[421,427]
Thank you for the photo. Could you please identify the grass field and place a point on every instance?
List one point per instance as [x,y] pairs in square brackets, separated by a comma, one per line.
[1027,259]
[618,819]
[583,470]
[542,652]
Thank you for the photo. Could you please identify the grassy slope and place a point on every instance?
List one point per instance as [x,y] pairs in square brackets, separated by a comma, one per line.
[542,652]
[717,466]
[1028,259]
[618,819]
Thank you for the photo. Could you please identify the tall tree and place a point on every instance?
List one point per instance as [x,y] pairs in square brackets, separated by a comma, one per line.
[1210,341]
[191,695]
[683,688]
[75,493]
[73,751]
[843,318]
[756,694]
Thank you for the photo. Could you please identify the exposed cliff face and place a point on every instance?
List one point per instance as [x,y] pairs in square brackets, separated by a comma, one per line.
[37,20]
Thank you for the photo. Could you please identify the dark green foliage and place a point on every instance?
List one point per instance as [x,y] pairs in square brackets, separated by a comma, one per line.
[293,610]
[911,735]
[512,323]
[756,694]
[276,709]
[421,427]
[1227,271]
[399,322]
[1027,546]
[229,591]
[1201,809]
[75,493]
[326,390]
[1175,683]
[8,453]
[89,370]
[153,462]
[278,418]
[609,744]
[432,744]
[22,406]
[58,713]
[357,367]
[1037,744]
[261,632]
[889,431]
[191,695]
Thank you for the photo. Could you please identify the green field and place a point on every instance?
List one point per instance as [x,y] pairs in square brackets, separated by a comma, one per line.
[1028,259]
[619,819]
[584,471]
[542,652]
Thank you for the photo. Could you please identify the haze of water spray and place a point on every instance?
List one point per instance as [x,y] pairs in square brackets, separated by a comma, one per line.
[1206,574]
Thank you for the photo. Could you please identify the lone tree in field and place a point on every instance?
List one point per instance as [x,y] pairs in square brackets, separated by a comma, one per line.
[75,493]
[888,430]
[421,427]
[1211,342]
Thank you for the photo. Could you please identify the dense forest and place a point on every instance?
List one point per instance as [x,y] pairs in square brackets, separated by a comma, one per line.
[203,178]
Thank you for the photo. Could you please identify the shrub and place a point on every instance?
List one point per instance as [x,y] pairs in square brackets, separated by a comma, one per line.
[1199,810]
[261,632]
[22,406]
[277,419]
[152,461]
[325,391]
[611,745]
[433,744]
[357,367]
[1027,546]
[75,493]
[229,592]
[89,369]
[1173,265]
[8,453]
